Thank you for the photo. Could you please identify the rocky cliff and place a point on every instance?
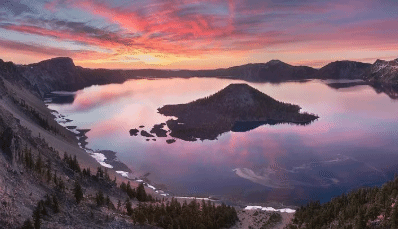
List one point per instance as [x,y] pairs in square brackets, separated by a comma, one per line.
[383,72]
[54,74]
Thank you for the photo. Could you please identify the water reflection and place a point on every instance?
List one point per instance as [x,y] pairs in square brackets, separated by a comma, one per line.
[388,89]
[60,97]
[353,143]
[237,108]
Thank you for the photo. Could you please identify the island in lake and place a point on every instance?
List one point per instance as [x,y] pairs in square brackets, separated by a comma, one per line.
[237,108]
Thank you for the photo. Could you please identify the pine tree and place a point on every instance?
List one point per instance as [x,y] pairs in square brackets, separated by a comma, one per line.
[27,224]
[78,192]
[47,201]
[48,175]
[39,164]
[55,179]
[108,201]
[140,217]
[76,166]
[66,157]
[100,172]
[129,208]
[360,221]
[394,216]
[36,218]
[100,198]
[119,204]
[55,204]
[61,184]
[141,194]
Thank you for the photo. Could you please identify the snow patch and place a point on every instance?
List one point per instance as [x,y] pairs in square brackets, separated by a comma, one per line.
[101,159]
[151,187]
[270,209]
[63,93]
[123,173]
[191,198]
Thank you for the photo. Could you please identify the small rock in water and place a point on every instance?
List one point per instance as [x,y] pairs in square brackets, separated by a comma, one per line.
[169,141]
[141,126]
[146,134]
[134,132]
[148,139]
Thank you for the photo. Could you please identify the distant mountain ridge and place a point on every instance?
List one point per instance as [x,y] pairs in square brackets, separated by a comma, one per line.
[272,71]
[62,74]
[342,70]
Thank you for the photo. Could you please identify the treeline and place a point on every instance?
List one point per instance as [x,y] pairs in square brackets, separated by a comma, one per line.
[36,116]
[138,193]
[40,167]
[43,170]
[173,215]
[101,175]
[42,210]
[364,208]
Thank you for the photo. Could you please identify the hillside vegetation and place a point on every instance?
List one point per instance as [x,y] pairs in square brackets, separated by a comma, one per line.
[374,207]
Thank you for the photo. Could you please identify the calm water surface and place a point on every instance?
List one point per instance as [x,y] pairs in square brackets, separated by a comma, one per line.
[354,142]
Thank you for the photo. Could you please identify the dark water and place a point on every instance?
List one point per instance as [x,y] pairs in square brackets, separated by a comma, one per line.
[354,143]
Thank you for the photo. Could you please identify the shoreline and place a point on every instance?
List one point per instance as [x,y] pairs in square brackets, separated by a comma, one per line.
[108,159]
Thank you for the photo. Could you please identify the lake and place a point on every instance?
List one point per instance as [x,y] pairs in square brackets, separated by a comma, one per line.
[354,143]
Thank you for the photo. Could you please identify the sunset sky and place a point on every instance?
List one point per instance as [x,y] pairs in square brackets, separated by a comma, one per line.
[194,34]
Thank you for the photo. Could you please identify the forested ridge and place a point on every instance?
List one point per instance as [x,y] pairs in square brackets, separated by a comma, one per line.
[374,207]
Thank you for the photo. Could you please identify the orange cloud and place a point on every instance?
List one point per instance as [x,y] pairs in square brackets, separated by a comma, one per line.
[195,31]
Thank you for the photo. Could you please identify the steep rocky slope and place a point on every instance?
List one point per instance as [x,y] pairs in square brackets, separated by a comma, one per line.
[62,74]
[36,185]
[31,168]
[54,74]
[383,72]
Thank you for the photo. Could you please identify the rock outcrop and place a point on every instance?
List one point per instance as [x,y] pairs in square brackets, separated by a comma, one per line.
[385,72]
[50,75]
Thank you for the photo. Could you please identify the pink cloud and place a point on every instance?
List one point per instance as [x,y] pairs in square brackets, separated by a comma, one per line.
[204,29]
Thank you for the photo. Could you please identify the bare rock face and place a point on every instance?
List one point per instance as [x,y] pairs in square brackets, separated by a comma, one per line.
[383,72]
[54,74]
